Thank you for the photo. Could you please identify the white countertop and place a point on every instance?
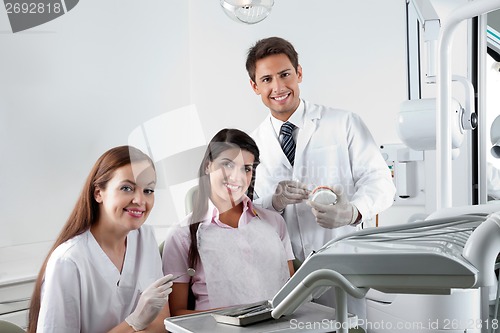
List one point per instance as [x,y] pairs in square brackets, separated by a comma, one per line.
[20,263]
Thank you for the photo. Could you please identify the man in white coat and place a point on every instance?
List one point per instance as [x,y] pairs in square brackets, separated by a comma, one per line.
[332,148]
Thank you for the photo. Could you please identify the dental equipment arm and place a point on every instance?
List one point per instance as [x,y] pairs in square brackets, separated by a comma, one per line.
[495,137]
[320,278]
[443,137]
[429,20]
[468,118]
[482,249]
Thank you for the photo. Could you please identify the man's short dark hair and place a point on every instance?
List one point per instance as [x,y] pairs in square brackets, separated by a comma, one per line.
[269,46]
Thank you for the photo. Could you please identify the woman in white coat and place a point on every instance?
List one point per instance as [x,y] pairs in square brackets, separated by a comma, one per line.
[103,273]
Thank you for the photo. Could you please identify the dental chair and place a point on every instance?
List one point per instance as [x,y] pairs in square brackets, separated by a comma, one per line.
[189,198]
[8,327]
[188,208]
[495,313]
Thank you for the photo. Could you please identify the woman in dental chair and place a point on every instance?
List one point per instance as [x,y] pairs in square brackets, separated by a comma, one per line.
[242,254]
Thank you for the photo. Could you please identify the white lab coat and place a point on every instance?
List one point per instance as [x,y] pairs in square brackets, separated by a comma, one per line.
[333,147]
[83,291]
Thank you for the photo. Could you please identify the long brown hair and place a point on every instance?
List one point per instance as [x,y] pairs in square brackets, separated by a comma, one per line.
[86,211]
[228,138]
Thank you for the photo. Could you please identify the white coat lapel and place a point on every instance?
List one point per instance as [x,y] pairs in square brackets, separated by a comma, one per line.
[310,122]
[274,146]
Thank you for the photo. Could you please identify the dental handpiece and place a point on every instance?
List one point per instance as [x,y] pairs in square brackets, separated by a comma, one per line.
[190,271]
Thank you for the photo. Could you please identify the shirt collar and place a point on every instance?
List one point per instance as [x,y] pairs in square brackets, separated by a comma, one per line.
[297,118]
[213,212]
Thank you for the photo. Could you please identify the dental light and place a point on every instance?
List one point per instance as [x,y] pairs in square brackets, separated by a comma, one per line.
[247,11]
[417,121]
[417,117]
[417,124]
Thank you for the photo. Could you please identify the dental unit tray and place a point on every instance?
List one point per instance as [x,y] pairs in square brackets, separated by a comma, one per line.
[205,322]
[422,257]
[244,315]
[425,257]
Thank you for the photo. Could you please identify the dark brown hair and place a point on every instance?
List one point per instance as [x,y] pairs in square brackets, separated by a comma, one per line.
[225,139]
[269,46]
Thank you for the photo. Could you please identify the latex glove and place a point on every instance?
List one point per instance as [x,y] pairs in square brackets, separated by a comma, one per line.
[289,192]
[335,216]
[152,300]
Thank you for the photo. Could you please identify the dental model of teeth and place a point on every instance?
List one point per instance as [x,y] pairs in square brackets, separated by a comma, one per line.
[323,195]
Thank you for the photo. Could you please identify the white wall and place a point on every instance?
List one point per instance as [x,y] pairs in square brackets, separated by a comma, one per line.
[352,54]
[76,86]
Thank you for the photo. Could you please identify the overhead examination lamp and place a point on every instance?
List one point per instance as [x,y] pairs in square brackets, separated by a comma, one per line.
[247,11]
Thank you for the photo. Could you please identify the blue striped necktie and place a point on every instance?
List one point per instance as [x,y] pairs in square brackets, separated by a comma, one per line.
[287,143]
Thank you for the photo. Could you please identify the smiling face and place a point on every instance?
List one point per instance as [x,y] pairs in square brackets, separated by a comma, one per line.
[230,176]
[277,83]
[128,197]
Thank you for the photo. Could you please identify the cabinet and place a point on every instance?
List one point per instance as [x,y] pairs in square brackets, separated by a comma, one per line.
[19,266]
